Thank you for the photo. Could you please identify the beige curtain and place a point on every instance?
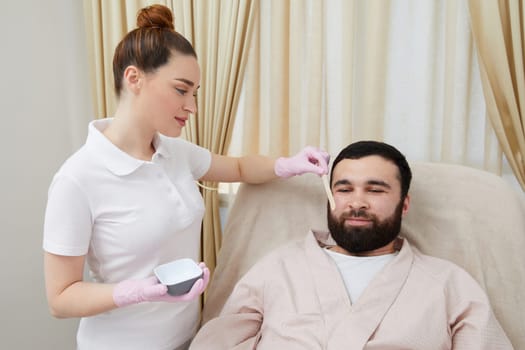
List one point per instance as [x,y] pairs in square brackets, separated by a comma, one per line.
[328,73]
[499,31]
[220,31]
[287,91]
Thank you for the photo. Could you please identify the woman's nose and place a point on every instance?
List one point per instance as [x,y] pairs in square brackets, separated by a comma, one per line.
[191,105]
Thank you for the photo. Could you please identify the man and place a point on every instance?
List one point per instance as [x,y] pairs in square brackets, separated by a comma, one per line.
[359,286]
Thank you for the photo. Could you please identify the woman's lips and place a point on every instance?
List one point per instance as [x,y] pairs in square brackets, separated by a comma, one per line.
[181,121]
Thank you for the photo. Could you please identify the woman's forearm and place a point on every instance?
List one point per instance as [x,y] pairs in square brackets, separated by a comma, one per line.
[82,299]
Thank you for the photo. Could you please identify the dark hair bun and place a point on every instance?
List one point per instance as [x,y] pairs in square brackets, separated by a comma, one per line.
[155,16]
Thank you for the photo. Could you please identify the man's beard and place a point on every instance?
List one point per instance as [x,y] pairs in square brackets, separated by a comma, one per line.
[363,239]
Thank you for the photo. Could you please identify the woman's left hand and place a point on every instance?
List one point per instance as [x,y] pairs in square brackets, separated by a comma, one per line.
[197,289]
[150,289]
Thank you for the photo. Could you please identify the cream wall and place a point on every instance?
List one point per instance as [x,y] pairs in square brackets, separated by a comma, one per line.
[45,106]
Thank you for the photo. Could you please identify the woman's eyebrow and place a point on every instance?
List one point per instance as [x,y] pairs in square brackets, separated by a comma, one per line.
[187,82]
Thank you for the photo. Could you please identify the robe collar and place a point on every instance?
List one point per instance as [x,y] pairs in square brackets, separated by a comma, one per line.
[354,324]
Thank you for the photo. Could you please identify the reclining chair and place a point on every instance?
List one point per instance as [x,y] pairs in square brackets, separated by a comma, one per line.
[465,215]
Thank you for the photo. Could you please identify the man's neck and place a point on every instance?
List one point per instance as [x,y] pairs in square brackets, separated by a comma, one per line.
[390,248]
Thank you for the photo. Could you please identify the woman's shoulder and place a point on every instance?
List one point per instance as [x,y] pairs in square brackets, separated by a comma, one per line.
[76,162]
[178,146]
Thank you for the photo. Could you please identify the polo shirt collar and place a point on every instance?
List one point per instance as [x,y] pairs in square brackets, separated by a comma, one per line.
[160,146]
[117,161]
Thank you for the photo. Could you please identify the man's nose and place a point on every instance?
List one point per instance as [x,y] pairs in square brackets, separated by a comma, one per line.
[358,201]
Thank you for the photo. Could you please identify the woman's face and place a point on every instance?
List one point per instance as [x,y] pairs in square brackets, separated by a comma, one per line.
[169,94]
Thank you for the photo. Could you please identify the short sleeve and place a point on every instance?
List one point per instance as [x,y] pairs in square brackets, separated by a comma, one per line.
[198,158]
[200,162]
[68,219]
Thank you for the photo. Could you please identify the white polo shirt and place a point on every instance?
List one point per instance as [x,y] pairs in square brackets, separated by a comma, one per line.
[129,216]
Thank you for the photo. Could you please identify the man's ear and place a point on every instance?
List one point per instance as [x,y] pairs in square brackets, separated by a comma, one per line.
[133,78]
[406,204]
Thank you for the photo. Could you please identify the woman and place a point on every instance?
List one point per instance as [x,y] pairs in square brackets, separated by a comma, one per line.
[127,200]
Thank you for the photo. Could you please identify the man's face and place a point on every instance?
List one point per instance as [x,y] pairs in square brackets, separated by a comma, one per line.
[369,209]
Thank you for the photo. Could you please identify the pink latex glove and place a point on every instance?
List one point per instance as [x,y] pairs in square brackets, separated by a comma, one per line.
[309,160]
[149,289]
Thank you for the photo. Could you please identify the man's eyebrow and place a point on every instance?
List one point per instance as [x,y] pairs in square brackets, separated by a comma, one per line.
[379,183]
[342,182]
[187,82]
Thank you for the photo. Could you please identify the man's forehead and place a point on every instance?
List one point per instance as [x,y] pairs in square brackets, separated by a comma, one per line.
[369,167]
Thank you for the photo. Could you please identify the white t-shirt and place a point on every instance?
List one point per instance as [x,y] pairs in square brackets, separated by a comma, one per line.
[358,271]
[129,216]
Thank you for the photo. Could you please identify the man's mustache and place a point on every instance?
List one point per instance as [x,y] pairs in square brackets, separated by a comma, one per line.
[356,214]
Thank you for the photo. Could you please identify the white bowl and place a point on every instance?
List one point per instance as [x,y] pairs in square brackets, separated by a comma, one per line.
[178,275]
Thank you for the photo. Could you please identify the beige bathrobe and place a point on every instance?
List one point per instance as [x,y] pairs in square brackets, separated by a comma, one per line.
[295,298]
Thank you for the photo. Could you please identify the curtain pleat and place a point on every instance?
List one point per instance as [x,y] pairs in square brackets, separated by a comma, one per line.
[220,31]
[499,31]
[403,72]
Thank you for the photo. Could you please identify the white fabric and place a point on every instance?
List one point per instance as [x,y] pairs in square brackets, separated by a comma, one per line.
[129,216]
[358,271]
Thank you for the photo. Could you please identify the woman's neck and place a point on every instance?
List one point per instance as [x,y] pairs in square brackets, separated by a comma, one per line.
[130,136]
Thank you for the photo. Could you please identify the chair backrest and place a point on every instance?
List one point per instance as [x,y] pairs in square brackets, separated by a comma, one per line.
[465,215]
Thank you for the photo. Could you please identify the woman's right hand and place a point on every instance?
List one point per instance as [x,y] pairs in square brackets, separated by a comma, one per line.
[130,292]
[308,160]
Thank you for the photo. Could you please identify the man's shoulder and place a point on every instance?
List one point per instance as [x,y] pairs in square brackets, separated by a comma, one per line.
[444,272]
[288,250]
[435,264]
